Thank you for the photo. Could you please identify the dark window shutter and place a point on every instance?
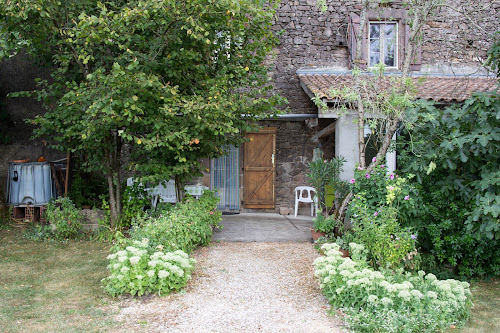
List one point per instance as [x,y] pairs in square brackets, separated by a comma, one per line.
[354,22]
[416,61]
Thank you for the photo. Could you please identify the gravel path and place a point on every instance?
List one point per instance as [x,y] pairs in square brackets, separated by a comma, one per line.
[240,287]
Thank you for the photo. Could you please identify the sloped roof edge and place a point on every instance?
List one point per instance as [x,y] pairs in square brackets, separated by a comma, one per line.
[440,88]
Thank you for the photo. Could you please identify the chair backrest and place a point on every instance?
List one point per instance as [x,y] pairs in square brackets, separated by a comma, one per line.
[305,192]
[167,192]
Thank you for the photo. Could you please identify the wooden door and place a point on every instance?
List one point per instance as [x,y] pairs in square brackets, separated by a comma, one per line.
[260,169]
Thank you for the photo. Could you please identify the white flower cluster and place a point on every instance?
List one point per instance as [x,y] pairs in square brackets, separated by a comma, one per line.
[350,283]
[135,271]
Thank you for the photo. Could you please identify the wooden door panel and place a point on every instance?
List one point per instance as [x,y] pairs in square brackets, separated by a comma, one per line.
[260,171]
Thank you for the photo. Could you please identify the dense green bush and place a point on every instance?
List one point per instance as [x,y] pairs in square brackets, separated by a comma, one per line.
[64,219]
[184,227]
[454,155]
[389,301]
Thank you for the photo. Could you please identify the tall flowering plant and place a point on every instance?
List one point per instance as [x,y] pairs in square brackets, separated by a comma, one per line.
[375,211]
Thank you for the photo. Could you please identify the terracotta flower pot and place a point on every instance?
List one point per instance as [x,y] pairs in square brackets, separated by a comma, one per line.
[345,253]
[317,234]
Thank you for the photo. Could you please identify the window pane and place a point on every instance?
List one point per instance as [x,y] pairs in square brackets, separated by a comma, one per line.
[390,45]
[374,31]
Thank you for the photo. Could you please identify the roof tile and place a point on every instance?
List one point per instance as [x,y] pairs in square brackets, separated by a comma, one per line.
[437,88]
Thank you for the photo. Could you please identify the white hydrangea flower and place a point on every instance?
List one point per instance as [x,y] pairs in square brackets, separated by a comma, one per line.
[120,277]
[181,253]
[156,255]
[432,294]
[153,263]
[345,273]
[372,299]
[363,281]
[386,301]
[112,256]
[327,279]
[431,277]
[465,284]
[444,286]
[131,249]
[124,269]
[177,271]
[384,284]
[404,294]
[122,258]
[163,274]
[417,294]
[116,266]
[421,274]
[139,277]
[121,253]
[134,260]
[150,273]
[376,275]
[408,285]
[339,290]
[350,283]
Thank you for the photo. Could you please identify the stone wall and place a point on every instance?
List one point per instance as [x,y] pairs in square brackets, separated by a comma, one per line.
[309,38]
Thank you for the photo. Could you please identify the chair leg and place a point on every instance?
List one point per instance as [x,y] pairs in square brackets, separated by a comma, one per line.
[296,207]
[312,208]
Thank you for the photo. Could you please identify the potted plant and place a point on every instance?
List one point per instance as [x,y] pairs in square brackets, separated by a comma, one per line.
[322,226]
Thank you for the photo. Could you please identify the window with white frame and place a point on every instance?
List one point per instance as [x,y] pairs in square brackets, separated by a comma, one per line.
[383,46]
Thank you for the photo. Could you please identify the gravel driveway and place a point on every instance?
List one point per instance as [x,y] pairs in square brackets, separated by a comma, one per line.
[239,287]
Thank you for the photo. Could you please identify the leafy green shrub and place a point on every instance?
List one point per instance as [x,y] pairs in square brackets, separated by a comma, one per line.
[454,154]
[323,224]
[64,218]
[388,244]
[379,200]
[138,269]
[154,259]
[388,301]
[184,227]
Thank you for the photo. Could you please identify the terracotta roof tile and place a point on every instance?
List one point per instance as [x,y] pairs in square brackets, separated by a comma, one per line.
[437,88]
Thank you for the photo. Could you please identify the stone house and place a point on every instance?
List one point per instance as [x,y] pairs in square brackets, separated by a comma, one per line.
[315,52]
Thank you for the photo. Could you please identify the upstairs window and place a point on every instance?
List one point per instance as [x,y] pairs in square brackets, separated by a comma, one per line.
[383,46]
[384,39]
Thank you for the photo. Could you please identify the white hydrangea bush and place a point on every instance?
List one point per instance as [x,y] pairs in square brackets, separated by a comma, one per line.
[137,271]
[403,302]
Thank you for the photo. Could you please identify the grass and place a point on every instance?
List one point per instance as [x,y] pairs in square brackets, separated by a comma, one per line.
[485,314]
[52,286]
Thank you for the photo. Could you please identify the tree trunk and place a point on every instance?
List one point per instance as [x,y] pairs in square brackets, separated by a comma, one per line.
[113,165]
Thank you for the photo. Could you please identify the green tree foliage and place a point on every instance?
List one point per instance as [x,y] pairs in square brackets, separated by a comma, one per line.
[454,154]
[167,80]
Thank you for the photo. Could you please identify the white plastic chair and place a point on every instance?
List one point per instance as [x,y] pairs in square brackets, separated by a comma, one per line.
[306,194]
[195,190]
[162,193]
